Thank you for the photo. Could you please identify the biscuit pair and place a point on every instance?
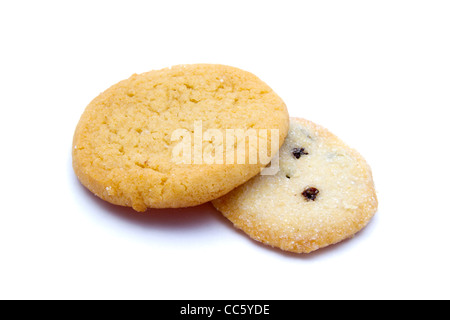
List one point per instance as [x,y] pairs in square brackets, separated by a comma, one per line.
[124,148]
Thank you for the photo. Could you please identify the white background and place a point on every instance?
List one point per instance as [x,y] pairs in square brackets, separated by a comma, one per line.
[376,73]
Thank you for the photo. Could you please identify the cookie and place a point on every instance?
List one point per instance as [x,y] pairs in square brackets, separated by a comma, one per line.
[125,145]
[324,193]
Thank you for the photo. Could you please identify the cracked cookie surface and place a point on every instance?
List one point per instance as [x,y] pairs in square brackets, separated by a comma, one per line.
[324,193]
[123,148]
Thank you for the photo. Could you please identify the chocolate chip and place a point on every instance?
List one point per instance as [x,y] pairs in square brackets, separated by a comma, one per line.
[298,152]
[311,194]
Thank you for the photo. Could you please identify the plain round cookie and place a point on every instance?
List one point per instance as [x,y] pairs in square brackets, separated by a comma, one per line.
[123,148]
[323,194]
